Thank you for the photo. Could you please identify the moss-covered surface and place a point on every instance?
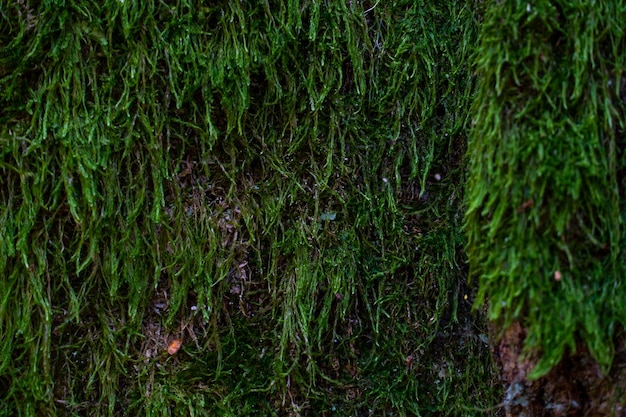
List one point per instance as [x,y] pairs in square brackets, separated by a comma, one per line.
[545,202]
[277,184]
[546,174]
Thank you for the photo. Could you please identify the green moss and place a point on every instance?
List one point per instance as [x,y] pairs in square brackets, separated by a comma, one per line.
[545,157]
[278,184]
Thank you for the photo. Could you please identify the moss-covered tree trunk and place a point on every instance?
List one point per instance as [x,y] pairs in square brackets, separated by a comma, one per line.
[545,201]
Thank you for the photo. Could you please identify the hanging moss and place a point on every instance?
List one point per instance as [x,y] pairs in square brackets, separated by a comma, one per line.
[545,187]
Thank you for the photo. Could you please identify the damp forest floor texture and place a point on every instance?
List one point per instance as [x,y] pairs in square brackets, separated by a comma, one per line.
[276,185]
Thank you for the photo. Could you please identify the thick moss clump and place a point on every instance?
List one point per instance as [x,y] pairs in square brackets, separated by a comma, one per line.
[546,174]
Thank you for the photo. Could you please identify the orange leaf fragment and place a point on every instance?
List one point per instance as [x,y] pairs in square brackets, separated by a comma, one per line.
[174,346]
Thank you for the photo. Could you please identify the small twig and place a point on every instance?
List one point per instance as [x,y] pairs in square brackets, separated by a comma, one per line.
[371,8]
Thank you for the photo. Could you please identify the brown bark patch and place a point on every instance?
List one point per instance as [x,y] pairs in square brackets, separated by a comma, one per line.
[575,387]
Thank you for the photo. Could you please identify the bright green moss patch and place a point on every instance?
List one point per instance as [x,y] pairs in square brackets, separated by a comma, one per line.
[545,160]
[276,184]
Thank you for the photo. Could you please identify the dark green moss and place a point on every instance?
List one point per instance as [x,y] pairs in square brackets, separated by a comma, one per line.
[278,184]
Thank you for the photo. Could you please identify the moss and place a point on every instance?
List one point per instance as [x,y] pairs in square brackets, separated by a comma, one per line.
[545,155]
[276,184]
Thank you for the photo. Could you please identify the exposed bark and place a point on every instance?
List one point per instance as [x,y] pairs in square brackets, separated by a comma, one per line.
[575,387]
